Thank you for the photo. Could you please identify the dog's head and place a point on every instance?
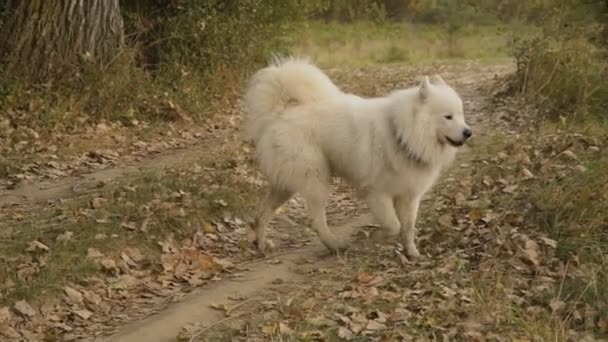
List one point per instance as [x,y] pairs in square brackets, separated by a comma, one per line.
[443,107]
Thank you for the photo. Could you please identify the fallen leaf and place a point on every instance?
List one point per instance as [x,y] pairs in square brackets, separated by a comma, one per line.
[74,296]
[375,326]
[365,277]
[109,264]
[93,253]
[208,228]
[557,305]
[220,307]
[284,329]
[36,246]
[100,236]
[134,254]
[460,199]
[225,264]
[5,315]
[83,313]
[345,333]
[24,308]
[66,236]
[268,329]
[445,220]
[98,202]
[129,225]
[531,249]
[549,242]
[92,298]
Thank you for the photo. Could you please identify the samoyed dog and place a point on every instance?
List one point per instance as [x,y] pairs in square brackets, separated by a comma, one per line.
[391,149]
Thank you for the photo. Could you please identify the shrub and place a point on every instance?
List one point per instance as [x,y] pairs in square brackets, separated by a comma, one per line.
[563,68]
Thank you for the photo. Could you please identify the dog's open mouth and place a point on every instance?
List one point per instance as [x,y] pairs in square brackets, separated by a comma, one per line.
[454,143]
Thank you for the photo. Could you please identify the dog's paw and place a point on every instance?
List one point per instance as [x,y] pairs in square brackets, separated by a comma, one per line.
[265,246]
[412,251]
[261,244]
[333,243]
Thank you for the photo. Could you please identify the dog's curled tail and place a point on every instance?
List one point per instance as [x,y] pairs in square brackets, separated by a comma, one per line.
[285,82]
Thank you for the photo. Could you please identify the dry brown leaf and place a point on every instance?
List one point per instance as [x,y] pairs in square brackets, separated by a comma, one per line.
[549,242]
[83,313]
[224,264]
[460,199]
[98,202]
[284,329]
[345,333]
[109,265]
[220,307]
[532,253]
[375,326]
[129,226]
[25,272]
[208,228]
[268,329]
[93,254]
[37,246]
[92,298]
[476,214]
[66,236]
[365,277]
[5,315]
[73,296]
[557,305]
[445,220]
[135,254]
[24,308]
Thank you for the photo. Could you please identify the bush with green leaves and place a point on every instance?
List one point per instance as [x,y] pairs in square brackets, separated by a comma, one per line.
[564,67]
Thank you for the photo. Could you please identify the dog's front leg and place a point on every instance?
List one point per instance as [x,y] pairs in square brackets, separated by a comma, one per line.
[407,210]
[381,206]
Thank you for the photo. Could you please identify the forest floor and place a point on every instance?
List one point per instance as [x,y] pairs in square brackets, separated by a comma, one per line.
[143,238]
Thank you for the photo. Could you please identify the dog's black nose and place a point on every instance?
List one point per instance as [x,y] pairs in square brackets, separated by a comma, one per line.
[467,133]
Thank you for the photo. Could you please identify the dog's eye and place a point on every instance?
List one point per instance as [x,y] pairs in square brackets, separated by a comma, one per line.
[449,117]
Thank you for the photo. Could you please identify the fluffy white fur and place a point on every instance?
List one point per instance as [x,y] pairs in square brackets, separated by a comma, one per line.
[391,149]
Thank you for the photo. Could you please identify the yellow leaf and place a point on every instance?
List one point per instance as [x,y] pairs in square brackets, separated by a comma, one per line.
[476,214]
[269,329]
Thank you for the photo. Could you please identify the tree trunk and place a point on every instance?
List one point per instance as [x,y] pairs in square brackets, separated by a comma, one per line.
[42,39]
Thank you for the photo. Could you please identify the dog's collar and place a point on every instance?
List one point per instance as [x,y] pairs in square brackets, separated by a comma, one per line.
[404,147]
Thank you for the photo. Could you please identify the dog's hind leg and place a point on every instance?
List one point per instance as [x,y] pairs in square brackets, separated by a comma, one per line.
[407,210]
[383,210]
[272,201]
[316,196]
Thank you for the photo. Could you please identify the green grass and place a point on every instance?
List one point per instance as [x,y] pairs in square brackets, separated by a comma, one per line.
[574,211]
[362,43]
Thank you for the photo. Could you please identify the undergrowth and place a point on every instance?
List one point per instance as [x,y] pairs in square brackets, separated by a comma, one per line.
[563,67]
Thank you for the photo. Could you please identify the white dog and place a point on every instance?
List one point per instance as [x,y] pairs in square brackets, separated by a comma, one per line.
[391,149]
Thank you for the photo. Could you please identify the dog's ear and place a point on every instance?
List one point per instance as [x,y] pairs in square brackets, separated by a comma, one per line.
[437,80]
[423,90]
